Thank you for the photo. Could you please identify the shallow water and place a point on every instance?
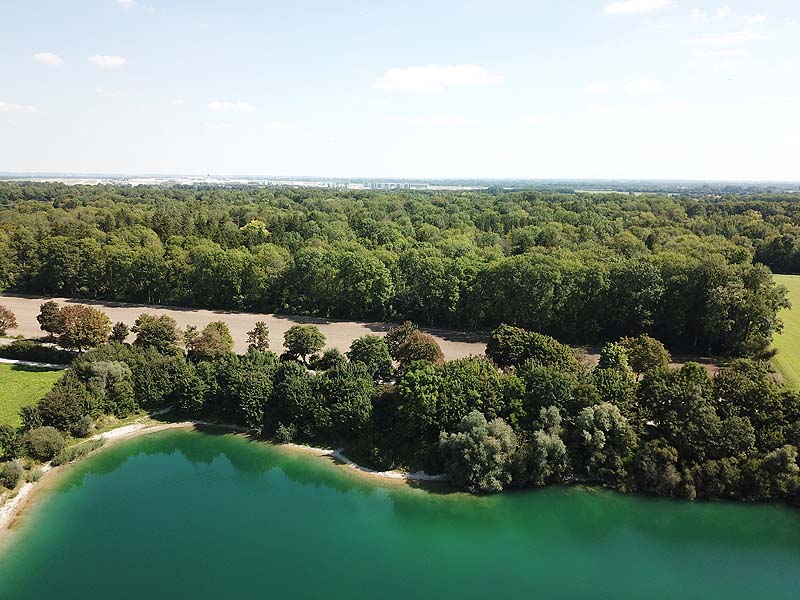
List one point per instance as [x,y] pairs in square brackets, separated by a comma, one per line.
[184,514]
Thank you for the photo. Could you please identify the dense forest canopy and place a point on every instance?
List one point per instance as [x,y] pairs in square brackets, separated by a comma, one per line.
[585,268]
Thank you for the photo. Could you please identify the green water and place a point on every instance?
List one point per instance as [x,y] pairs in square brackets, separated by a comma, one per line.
[193,515]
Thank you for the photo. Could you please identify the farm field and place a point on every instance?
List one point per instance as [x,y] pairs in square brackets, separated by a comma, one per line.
[20,386]
[787,360]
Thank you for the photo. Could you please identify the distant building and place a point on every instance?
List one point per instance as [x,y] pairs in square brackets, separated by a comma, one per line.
[396,185]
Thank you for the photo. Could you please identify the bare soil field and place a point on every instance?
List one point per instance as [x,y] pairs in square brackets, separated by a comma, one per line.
[339,334]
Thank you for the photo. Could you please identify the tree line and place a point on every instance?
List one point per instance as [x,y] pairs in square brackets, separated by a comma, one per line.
[531,412]
[694,273]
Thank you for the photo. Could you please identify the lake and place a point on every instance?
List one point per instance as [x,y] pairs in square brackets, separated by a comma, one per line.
[186,514]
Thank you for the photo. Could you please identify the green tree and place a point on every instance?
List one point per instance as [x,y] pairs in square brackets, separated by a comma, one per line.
[43,443]
[213,342]
[480,455]
[372,352]
[156,331]
[258,337]
[82,327]
[419,346]
[49,317]
[645,353]
[301,341]
[119,333]
[655,468]
[606,443]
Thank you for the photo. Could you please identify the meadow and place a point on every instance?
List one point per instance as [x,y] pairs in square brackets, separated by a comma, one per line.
[20,386]
[787,360]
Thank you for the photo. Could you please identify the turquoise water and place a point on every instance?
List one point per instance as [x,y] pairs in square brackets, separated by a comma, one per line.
[184,514]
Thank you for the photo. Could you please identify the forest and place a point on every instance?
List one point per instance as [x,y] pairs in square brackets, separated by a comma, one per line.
[636,275]
[693,272]
[532,412]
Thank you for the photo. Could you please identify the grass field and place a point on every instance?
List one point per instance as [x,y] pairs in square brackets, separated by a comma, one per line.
[20,386]
[787,361]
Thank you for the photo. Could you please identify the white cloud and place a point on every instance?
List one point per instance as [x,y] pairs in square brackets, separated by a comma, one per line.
[630,7]
[48,58]
[178,102]
[126,4]
[109,93]
[276,125]
[756,19]
[431,120]
[697,15]
[231,105]
[723,53]
[723,13]
[10,107]
[535,119]
[644,85]
[729,39]
[671,106]
[107,61]
[596,88]
[435,78]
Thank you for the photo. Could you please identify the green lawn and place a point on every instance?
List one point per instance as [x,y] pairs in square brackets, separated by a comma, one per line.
[20,386]
[787,361]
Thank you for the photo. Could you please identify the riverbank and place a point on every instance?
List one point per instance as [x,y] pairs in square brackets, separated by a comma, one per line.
[14,505]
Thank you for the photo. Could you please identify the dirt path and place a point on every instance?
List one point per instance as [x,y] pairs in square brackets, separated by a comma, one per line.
[339,334]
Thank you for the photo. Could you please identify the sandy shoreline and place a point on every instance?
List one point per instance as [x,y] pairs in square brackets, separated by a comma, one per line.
[12,508]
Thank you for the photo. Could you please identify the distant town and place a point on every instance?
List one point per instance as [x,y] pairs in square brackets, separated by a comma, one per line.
[627,186]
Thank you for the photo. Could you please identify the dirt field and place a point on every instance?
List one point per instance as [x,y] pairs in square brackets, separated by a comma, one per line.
[339,334]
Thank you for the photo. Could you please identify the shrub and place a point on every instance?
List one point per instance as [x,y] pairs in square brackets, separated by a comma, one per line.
[285,434]
[43,443]
[10,474]
[30,350]
[73,453]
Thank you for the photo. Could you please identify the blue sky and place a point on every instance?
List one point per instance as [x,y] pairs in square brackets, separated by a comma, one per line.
[536,89]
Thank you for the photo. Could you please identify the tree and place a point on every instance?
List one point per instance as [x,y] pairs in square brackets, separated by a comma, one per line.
[10,474]
[119,333]
[511,346]
[606,442]
[156,331]
[348,402]
[9,442]
[480,455]
[372,352]
[655,468]
[49,317]
[213,342]
[301,341]
[82,327]
[419,346]
[43,443]
[645,353]
[543,458]
[258,337]
[7,320]
[397,335]
[66,405]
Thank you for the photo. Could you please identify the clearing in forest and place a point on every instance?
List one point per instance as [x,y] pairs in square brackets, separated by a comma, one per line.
[21,385]
[787,360]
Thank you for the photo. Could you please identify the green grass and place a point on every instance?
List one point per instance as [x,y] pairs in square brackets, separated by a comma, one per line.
[20,386]
[787,360]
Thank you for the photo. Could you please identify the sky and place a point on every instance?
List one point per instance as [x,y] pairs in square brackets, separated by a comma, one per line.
[418,89]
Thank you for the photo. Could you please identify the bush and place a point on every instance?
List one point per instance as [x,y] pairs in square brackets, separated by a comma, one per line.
[10,474]
[43,443]
[284,434]
[30,350]
[73,453]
